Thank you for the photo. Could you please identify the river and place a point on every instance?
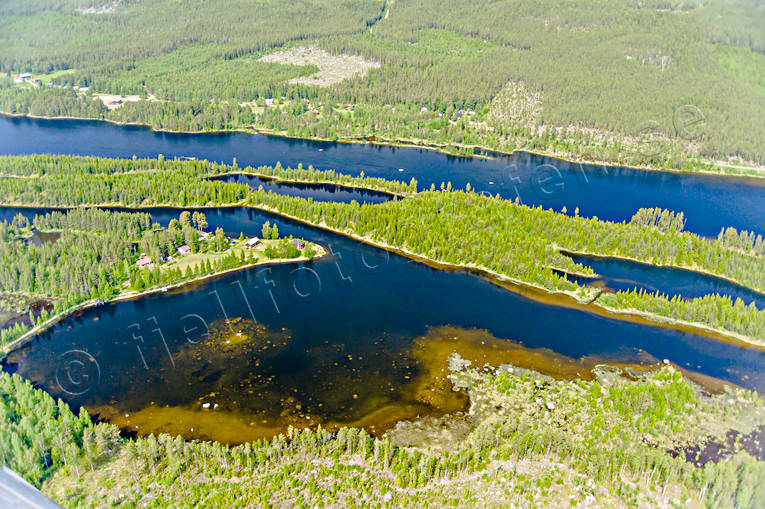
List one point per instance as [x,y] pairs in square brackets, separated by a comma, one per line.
[709,203]
[626,275]
[351,339]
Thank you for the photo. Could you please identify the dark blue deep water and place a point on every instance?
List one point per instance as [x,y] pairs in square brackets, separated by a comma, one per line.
[349,320]
[316,192]
[709,203]
[332,340]
[627,275]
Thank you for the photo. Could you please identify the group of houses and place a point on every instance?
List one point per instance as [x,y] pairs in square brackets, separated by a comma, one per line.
[25,76]
[21,78]
[146,261]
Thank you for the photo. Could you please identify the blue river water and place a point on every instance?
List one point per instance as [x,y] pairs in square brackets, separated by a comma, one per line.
[709,203]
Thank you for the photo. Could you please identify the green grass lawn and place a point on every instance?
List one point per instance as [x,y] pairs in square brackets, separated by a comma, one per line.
[254,254]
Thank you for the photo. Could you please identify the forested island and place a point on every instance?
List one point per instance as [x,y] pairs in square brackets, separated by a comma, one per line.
[483,79]
[95,256]
[457,227]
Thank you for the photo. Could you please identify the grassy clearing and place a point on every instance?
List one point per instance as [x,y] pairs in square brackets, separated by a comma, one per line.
[332,68]
[213,258]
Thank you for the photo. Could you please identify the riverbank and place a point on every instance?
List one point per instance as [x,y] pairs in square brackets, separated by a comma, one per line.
[135,294]
[582,299]
[583,302]
[496,446]
[694,269]
[492,153]
[736,338]
[487,153]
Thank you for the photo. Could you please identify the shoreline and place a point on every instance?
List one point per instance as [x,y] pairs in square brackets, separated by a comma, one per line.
[653,317]
[409,254]
[277,180]
[137,294]
[404,143]
[517,285]
[511,284]
[697,270]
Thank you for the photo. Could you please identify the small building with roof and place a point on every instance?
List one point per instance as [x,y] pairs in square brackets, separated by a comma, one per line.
[252,243]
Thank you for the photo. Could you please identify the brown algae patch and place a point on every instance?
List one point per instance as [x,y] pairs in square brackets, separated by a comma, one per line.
[193,423]
[242,381]
[480,347]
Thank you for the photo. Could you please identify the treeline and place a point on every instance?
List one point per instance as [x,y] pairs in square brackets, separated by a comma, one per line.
[160,115]
[66,454]
[38,435]
[78,265]
[679,84]
[62,166]
[50,102]
[745,241]
[182,188]
[522,243]
[719,312]
[184,116]
[661,219]
[456,227]
[124,224]
[311,175]
[402,123]
[513,239]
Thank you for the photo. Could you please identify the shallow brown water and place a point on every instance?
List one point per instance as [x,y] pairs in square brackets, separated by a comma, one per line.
[233,394]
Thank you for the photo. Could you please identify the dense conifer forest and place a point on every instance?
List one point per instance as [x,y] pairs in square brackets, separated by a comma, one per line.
[669,84]
[655,84]
[457,227]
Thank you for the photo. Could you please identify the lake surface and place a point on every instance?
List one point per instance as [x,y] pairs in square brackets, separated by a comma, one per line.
[357,338]
[316,192]
[709,203]
[627,275]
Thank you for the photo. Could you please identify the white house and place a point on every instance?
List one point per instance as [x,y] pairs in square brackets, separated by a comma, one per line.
[252,242]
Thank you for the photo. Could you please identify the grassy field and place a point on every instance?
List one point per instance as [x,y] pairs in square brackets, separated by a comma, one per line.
[257,253]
